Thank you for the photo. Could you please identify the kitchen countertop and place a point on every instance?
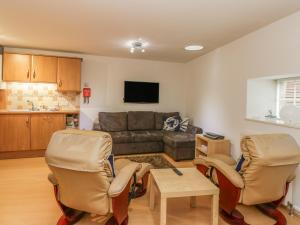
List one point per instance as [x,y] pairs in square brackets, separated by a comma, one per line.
[20,111]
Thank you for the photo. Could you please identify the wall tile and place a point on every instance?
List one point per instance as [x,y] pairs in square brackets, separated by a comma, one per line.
[41,95]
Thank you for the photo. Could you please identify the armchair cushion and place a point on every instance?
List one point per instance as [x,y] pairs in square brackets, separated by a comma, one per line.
[121,180]
[228,171]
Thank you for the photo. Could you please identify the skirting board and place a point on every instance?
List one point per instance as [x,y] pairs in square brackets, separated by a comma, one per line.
[22,154]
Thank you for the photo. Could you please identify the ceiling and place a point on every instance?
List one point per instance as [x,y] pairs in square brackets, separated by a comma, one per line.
[103,27]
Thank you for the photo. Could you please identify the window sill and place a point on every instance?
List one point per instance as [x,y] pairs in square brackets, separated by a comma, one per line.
[276,122]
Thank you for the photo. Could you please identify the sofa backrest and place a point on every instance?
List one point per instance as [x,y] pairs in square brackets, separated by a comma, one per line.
[161,116]
[141,120]
[113,121]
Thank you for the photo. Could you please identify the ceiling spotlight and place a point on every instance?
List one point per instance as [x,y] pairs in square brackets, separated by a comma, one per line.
[193,47]
[137,45]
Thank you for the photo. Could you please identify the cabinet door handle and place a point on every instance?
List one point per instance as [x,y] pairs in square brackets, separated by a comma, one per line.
[28,73]
[34,74]
[27,122]
[60,83]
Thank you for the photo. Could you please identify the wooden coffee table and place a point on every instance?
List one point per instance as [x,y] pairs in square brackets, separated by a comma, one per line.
[191,184]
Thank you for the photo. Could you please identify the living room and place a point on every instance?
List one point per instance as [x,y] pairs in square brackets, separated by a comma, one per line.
[241,42]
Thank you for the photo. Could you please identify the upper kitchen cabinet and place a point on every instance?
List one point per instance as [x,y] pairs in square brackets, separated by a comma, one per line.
[16,67]
[44,69]
[69,74]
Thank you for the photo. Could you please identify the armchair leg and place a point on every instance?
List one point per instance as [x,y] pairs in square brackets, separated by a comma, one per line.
[63,221]
[229,197]
[271,211]
[234,218]
[141,188]
[70,216]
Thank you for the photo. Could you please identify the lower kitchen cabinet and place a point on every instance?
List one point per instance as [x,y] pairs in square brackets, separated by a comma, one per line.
[42,128]
[14,133]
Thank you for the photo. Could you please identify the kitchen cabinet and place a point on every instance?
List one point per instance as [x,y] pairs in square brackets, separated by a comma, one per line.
[14,132]
[69,74]
[42,128]
[66,72]
[44,69]
[16,67]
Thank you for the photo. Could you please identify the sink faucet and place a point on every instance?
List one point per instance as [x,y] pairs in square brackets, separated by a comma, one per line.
[32,105]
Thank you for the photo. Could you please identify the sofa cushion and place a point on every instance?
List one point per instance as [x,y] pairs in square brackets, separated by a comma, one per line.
[160,117]
[179,139]
[121,137]
[113,121]
[147,136]
[140,120]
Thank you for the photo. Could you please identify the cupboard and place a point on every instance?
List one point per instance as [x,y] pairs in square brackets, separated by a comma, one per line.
[16,67]
[14,132]
[68,74]
[42,128]
[64,71]
[44,69]
[19,132]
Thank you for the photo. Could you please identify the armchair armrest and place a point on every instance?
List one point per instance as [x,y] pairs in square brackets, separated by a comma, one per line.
[120,182]
[228,171]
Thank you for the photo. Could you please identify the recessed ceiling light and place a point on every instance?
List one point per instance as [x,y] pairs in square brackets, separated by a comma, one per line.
[193,47]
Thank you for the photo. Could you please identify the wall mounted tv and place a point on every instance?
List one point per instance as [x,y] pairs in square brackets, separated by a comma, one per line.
[141,92]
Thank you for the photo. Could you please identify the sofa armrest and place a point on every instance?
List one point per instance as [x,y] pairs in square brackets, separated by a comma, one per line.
[120,182]
[194,130]
[227,170]
[96,126]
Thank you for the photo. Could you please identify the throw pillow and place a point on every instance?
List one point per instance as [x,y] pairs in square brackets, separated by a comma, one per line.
[172,123]
[184,124]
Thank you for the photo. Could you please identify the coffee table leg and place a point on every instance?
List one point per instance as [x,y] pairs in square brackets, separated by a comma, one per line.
[215,210]
[163,211]
[152,193]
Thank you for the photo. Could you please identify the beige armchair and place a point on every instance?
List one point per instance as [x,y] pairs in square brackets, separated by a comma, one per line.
[85,188]
[269,166]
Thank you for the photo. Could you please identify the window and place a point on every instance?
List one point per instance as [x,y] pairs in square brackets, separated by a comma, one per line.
[288,92]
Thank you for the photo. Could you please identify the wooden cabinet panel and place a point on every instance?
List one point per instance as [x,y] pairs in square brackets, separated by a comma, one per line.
[42,128]
[68,74]
[44,69]
[14,132]
[16,67]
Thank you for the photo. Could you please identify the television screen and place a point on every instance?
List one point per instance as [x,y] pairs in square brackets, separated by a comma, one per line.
[141,92]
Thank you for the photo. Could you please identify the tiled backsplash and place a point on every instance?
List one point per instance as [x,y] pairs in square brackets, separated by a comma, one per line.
[41,94]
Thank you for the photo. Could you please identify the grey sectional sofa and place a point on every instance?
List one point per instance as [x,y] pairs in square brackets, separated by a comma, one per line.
[136,132]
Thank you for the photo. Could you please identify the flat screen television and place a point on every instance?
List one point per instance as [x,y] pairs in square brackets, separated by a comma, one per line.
[141,92]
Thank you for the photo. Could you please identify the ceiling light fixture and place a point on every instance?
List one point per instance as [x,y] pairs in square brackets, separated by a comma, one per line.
[193,47]
[137,45]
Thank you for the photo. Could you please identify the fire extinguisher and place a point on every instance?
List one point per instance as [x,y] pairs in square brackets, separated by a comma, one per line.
[86,92]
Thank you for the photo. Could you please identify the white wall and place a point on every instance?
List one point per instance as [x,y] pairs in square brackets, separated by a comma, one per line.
[106,76]
[258,105]
[218,81]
